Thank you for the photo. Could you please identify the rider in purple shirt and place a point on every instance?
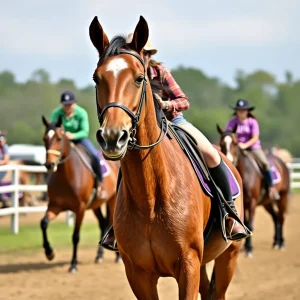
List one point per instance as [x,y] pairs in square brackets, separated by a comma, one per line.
[248,138]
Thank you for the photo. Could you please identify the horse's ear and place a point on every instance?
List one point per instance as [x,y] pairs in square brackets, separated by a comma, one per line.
[140,36]
[220,129]
[44,120]
[234,128]
[59,122]
[98,36]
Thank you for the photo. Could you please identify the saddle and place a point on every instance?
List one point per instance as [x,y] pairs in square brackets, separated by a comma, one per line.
[260,169]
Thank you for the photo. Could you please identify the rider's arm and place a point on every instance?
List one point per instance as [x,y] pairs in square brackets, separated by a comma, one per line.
[6,158]
[178,101]
[255,133]
[55,115]
[84,127]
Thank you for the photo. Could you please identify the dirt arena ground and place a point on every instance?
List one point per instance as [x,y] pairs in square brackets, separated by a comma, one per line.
[268,275]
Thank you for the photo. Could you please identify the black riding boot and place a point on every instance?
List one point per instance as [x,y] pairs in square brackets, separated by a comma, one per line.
[234,230]
[273,193]
[101,192]
[109,241]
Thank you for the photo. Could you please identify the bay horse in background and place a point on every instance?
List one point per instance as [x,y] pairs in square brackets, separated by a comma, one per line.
[162,211]
[255,192]
[72,186]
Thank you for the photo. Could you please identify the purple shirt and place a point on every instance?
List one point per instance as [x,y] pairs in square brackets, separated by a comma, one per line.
[245,130]
[3,151]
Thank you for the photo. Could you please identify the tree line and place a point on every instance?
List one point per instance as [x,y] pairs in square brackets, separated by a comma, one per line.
[277,107]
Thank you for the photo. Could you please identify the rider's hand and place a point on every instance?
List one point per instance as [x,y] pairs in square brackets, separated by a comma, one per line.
[243,146]
[69,135]
[160,101]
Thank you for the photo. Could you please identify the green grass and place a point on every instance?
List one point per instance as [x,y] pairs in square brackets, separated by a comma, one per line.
[59,235]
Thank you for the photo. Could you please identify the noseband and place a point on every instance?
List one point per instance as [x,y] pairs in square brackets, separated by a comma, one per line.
[135,118]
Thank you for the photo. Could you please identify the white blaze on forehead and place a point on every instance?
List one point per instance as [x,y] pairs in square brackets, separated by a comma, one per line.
[228,141]
[116,65]
[51,134]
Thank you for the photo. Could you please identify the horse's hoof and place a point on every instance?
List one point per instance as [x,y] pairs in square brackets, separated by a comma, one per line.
[275,247]
[249,254]
[51,255]
[98,260]
[72,270]
[118,260]
[282,248]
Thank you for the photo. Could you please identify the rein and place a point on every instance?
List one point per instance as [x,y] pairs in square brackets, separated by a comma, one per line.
[135,118]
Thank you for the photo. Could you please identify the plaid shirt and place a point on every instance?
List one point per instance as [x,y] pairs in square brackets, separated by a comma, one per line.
[172,93]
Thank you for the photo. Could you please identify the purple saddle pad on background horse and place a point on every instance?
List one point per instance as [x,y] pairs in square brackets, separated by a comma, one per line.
[104,165]
[274,171]
[8,195]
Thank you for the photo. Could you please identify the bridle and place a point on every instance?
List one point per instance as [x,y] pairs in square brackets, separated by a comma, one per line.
[135,118]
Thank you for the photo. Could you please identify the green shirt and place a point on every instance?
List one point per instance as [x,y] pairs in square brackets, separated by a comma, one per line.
[78,124]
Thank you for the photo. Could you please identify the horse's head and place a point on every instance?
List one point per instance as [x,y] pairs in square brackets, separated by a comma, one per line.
[121,85]
[229,143]
[53,141]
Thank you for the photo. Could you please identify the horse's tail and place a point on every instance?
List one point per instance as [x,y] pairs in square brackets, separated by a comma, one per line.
[212,285]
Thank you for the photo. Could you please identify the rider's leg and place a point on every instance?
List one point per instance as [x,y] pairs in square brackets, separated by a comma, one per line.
[95,165]
[235,231]
[261,156]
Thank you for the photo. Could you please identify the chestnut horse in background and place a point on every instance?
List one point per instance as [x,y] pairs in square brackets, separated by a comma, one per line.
[161,211]
[70,185]
[254,187]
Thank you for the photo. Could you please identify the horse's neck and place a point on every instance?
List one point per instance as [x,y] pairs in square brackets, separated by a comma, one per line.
[144,171]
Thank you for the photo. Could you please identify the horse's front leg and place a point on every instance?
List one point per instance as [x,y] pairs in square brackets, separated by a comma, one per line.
[75,238]
[143,284]
[189,276]
[50,214]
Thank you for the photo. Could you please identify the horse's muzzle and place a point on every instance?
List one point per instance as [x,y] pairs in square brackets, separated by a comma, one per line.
[51,166]
[113,142]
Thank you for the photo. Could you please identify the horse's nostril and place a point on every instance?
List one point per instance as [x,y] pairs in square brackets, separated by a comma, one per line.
[123,138]
[100,138]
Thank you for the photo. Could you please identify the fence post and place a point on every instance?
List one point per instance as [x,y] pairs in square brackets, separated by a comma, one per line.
[15,216]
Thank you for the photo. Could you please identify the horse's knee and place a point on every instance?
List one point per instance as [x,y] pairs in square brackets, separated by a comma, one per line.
[75,238]
[44,222]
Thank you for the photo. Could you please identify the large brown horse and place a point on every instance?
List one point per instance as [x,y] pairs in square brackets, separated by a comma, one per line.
[255,188]
[161,211]
[70,185]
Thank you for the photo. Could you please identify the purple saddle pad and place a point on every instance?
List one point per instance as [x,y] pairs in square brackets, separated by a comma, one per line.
[275,172]
[104,165]
[8,195]
[235,189]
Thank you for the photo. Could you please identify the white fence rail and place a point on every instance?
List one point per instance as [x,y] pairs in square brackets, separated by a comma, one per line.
[15,188]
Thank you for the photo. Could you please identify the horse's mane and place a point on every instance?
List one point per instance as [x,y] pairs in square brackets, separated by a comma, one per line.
[116,44]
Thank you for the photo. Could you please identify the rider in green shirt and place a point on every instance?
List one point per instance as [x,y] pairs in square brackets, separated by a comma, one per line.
[76,125]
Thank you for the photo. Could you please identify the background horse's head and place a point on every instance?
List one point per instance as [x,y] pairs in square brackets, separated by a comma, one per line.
[120,79]
[229,143]
[53,138]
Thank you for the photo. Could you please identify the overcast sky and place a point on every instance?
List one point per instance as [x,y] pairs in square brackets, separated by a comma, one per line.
[216,36]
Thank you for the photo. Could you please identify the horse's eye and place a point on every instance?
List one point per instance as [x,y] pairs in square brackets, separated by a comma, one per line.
[139,80]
